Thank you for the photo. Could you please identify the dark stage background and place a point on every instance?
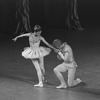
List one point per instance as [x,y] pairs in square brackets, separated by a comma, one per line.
[49,13]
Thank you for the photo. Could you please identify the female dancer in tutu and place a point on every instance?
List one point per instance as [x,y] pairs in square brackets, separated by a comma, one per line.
[36,52]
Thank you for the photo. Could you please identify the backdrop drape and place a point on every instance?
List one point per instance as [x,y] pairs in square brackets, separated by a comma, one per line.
[21,15]
[62,13]
[72,19]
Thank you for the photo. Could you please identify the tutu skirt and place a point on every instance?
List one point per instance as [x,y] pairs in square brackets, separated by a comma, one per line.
[36,52]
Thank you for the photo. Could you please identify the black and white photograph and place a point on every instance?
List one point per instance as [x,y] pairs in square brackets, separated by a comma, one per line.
[49,50]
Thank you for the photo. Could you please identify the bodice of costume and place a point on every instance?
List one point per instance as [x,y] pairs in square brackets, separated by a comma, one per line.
[34,41]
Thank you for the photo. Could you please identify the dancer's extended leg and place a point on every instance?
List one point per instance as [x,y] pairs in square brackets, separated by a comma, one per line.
[39,73]
[57,71]
[41,62]
[71,76]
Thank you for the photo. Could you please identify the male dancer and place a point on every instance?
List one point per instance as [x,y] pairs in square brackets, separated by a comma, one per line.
[65,53]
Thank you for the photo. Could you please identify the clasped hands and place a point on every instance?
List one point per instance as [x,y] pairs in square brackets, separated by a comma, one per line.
[57,50]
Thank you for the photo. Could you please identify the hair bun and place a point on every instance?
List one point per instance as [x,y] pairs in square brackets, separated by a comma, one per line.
[37,28]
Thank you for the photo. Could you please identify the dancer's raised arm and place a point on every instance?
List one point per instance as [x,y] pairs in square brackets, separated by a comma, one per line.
[49,45]
[22,35]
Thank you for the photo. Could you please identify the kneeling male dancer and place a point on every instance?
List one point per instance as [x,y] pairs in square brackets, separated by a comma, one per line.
[66,54]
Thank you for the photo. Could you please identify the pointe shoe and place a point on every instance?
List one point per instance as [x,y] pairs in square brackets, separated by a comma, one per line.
[39,85]
[61,86]
[78,80]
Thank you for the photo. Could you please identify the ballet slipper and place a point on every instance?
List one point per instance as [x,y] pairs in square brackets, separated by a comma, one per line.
[78,80]
[61,86]
[39,85]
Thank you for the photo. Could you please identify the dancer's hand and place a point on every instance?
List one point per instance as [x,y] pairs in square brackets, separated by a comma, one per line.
[14,39]
[56,50]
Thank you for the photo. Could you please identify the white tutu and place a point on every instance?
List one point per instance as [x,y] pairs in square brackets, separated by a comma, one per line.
[36,52]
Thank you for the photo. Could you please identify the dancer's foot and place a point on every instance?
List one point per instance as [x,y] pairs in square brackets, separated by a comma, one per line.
[78,80]
[39,85]
[62,86]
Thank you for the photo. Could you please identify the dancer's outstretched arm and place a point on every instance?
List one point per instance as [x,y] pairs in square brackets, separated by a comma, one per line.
[49,45]
[22,35]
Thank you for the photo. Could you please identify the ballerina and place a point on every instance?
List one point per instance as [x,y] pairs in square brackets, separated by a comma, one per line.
[36,52]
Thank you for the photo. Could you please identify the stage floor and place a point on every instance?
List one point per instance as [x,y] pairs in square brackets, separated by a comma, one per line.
[18,75]
[17,90]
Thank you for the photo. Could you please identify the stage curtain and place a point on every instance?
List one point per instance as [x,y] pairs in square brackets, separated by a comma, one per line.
[22,16]
[62,13]
[72,19]
[17,16]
